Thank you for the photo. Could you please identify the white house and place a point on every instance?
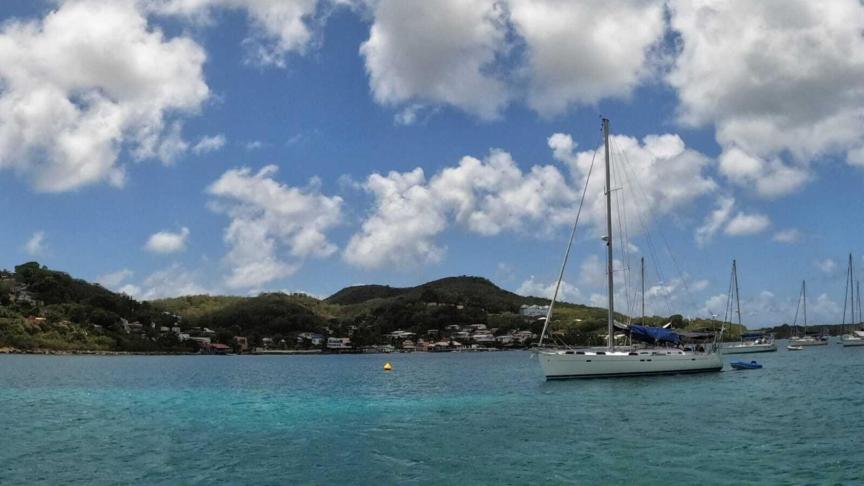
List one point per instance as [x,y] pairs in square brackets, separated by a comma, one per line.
[338,343]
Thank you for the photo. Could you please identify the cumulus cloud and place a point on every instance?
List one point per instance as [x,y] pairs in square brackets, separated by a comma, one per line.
[35,246]
[69,105]
[167,242]
[826,265]
[715,220]
[209,144]
[656,176]
[113,279]
[172,281]
[582,52]
[401,230]
[271,221]
[778,80]
[770,178]
[535,288]
[747,224]
[278,27]
[790,235]
[479,56]
[721,217]
[436,52]
[494,195]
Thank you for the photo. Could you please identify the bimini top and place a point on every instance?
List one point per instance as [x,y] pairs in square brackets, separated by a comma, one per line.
[654,334]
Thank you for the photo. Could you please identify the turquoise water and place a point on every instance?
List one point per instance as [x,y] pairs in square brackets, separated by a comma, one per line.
[452,417]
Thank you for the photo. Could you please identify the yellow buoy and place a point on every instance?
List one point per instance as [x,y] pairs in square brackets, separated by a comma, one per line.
[388,366]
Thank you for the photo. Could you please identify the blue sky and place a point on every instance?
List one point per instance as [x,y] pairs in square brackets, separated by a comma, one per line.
[230,146]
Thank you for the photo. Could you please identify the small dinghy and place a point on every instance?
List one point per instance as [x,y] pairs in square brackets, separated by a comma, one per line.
[744,365]
[792,347]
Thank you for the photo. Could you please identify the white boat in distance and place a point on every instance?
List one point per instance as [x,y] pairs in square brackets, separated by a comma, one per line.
[746,347]
[852,339]
[751,342]
[804,339]
[570,363]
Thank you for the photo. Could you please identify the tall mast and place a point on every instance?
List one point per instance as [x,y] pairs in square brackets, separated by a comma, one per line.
[858,291]
[609,237]
[851,289]
[804,292]
[642,267]
[737,298]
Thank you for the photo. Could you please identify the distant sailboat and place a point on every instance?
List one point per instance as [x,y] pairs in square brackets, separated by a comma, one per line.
[803,339]
[851,339]
[751,342]
[612,362]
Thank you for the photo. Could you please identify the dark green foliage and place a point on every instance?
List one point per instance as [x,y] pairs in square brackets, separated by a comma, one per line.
[266,314]
[362,293]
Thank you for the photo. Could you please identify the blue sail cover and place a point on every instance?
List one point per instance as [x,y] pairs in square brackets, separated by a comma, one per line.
[654,334]
[750,335]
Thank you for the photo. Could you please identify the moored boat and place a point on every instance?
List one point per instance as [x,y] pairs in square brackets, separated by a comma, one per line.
[659,359]
[853,338]
[744,365]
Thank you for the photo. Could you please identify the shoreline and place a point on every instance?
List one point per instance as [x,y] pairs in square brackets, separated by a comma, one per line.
[89,352]
[86,352]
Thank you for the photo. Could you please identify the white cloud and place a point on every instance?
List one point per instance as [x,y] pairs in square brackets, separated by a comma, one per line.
[776,79]
[267,217]
[715,220]
[209,144]
[534,288]
[172,281]
[747,224]
[790,235]
[592,272]
[826,265]
[582,52]
[494,196]
[131,290]
[824,309]
[770,178]
[656,175]
[715,306]
[113,279]
[401,230]
[436,52]
[70,103]
[279,27]
[35,246]
[167,242]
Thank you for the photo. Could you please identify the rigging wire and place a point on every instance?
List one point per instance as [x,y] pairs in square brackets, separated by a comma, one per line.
[567,252]
[643,225]
[681,275]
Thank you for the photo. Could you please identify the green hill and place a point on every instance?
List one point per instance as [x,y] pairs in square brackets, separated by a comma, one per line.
[47,309]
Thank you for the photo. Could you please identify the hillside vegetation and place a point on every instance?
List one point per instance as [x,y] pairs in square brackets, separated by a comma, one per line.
[46,309]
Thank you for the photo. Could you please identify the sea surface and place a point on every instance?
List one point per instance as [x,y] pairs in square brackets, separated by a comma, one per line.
[449,418]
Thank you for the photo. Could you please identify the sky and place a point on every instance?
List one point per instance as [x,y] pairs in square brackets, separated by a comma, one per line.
[172,147]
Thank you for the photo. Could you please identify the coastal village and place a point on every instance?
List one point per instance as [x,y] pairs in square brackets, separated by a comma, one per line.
[172,332]
[452,338]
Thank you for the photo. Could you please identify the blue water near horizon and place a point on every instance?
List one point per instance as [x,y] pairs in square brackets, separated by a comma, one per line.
[437,418]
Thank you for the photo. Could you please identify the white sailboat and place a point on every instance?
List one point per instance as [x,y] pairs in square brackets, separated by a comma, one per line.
[851,339]
[612,362]
[803,339]
[753,342]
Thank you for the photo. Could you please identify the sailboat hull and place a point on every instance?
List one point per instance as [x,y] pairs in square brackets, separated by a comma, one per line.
[565,365]
[748,348]
[808,342]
